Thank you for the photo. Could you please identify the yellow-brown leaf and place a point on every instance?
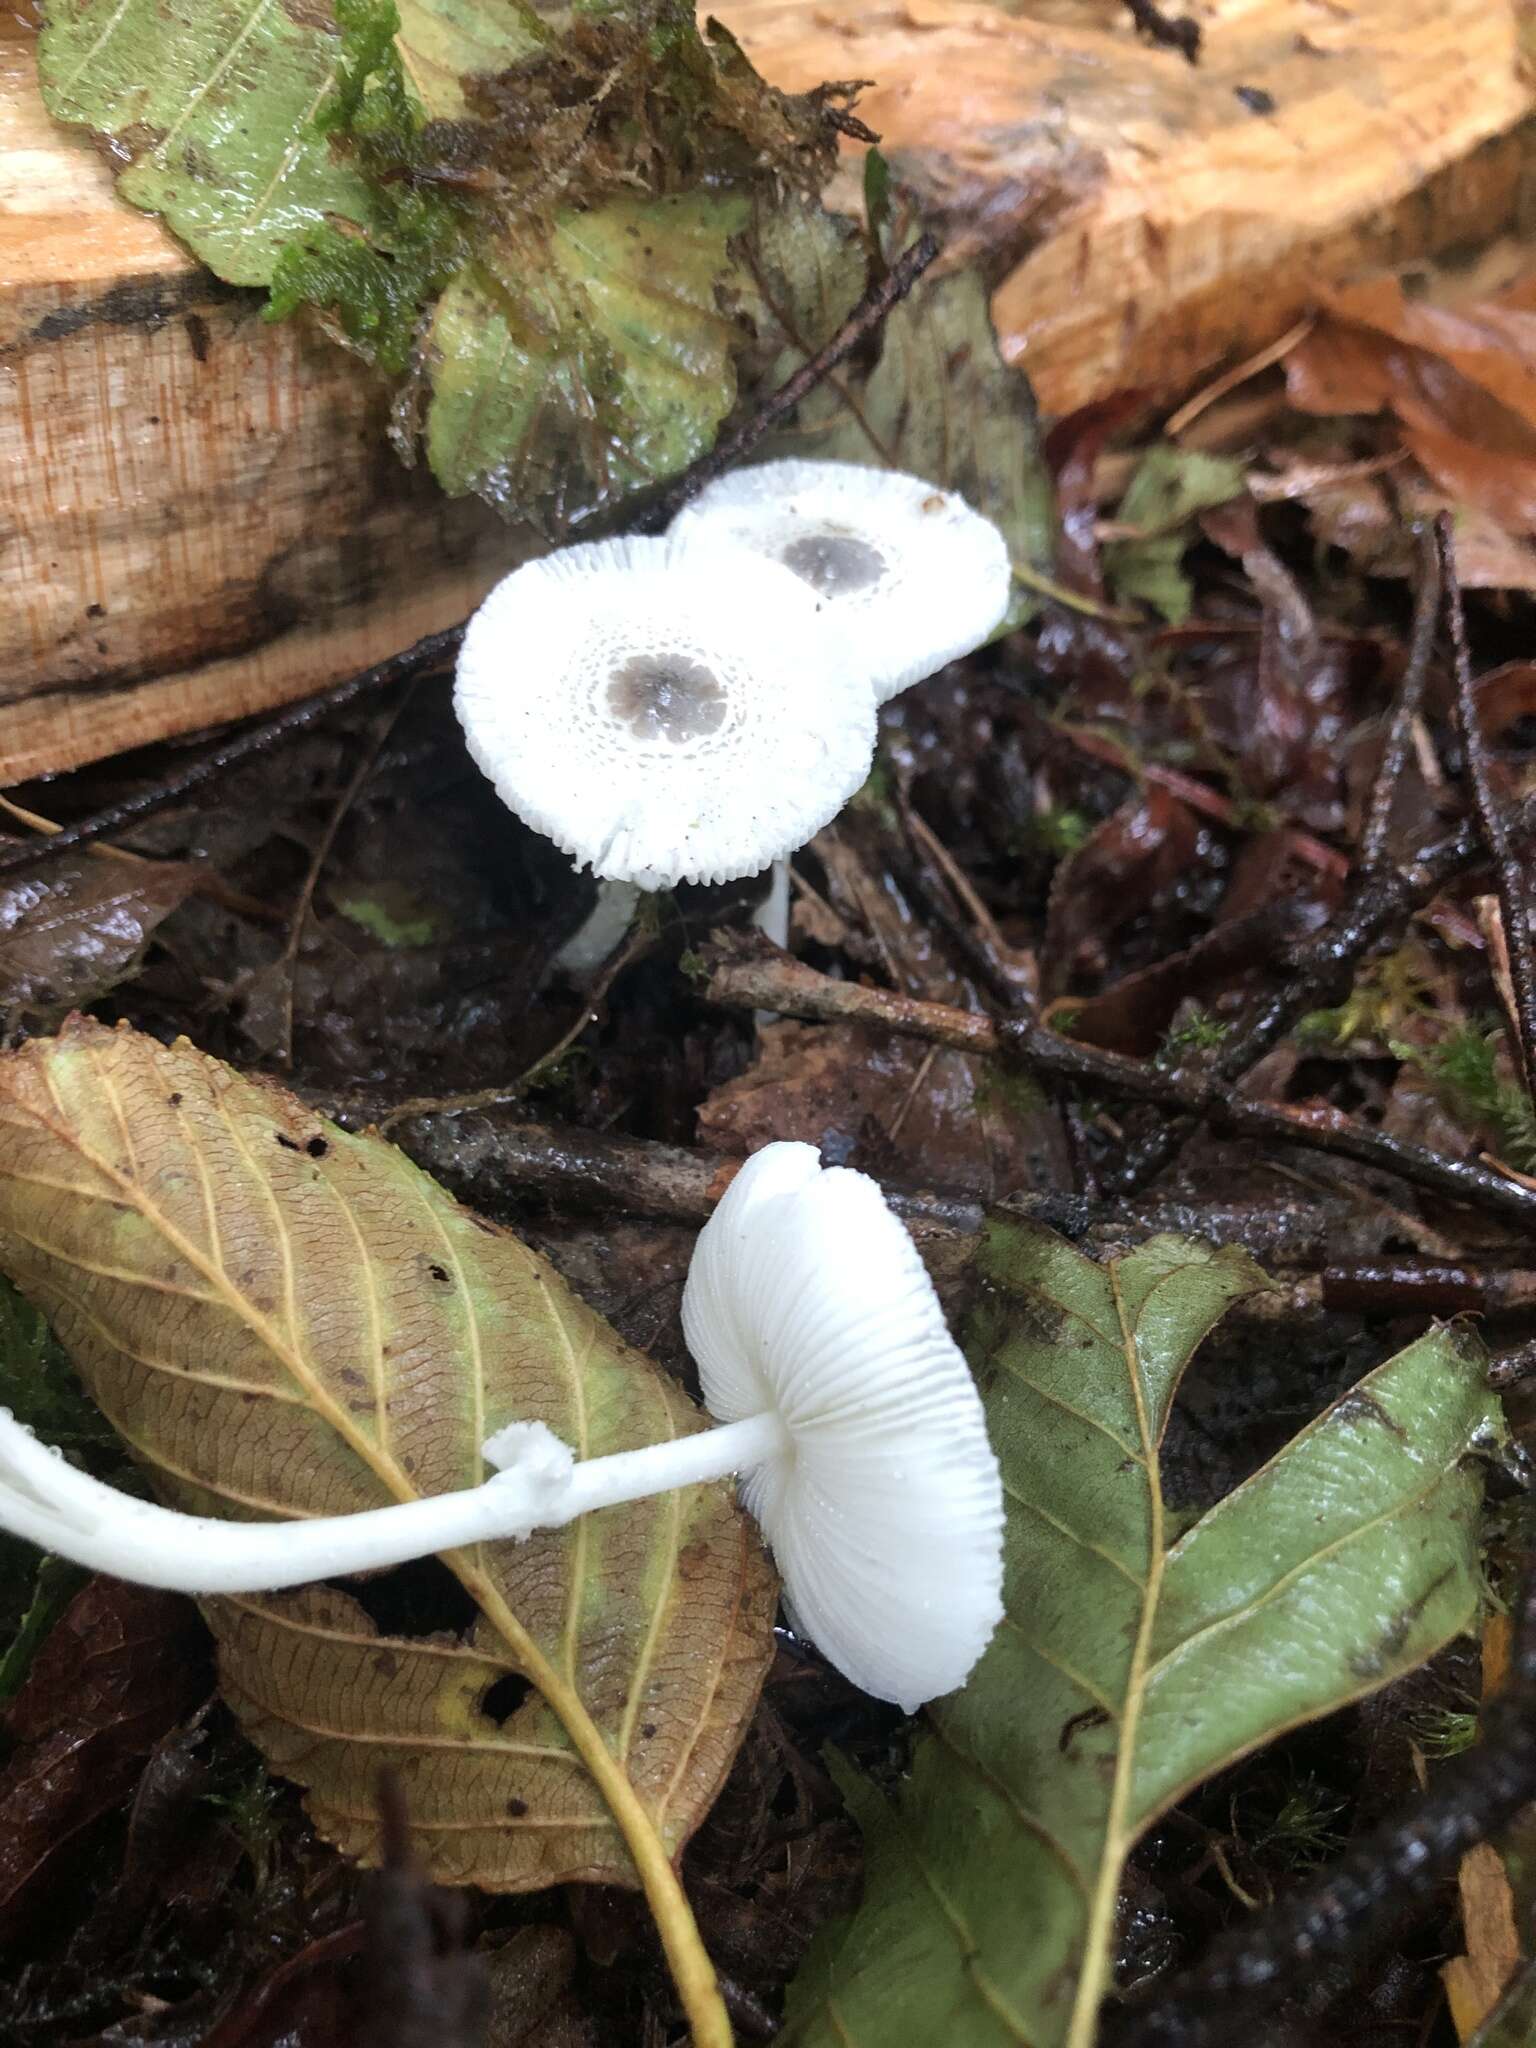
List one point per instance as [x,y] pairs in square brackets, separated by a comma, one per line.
[285,1319]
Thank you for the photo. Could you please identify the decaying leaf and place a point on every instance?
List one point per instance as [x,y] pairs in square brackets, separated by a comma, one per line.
[1128,1669]
[1170,486]
[567,375]
[116,1673]
[1460,383]
[69,932]
[283,1319]
[938,401]
[526,221]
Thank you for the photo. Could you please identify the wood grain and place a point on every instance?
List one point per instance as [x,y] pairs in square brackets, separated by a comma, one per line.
[200,516]
[1145,218]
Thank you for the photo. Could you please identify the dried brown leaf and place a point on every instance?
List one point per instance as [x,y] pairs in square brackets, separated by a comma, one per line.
[284,1319]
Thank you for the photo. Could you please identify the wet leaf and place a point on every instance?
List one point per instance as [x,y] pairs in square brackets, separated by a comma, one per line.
[1170,487]
[1460,383]
[207,107]
[938,399]
[280,1318]
[1140,851]
[1129,1667]
[565,376]
[71,931]
[117,1672]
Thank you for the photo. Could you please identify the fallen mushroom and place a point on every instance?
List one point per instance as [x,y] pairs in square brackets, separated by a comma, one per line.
[916,576]
[839,1395]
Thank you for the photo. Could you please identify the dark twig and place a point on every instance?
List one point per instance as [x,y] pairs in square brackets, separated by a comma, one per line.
[1410,692]
[1347,1907]
[1508,875]
[426,654]
[1170,32]
[753,975]
[1374,913]
[439,648]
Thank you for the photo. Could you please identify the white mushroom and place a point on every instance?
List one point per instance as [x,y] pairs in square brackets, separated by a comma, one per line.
[661,716]
[917,577]
[839,1393]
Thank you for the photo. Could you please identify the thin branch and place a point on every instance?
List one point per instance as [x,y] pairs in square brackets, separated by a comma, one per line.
[1374,914]
[415,660]
[1508,874]
[437,649]
[288,960]
[1410,692]
[750,975]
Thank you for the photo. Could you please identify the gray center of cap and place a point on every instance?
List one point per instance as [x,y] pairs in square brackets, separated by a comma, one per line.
[835,564]
[666,697]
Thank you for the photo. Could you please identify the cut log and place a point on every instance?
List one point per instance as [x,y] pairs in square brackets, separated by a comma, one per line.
[1145,218]
[200,517]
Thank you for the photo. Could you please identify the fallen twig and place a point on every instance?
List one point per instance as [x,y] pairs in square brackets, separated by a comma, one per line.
[750,974]
[1410,692]
[1508,874]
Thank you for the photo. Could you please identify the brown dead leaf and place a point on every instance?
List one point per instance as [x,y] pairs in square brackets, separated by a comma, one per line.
[281,1318]
[1126,864]
[1461,384]
[72,930]
[1475,1982]
[121,1667]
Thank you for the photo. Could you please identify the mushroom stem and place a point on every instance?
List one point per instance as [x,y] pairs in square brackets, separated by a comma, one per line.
[540,1486]
[602,931]
[772,914]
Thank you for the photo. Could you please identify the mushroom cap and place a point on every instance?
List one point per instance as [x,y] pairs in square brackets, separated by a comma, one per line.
[917,576]
[806,1296]
[663,718]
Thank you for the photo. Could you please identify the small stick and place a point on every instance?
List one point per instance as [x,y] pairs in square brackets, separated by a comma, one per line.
[289,957]
[866,316]
[436,649]
[742,978]
[1508,876]
[424,654]
[1421,647]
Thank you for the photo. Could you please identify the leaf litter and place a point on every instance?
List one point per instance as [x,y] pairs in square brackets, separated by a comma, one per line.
[1023,765]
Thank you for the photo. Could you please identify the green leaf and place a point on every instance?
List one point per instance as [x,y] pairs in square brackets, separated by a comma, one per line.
[1512,2023]
[566,375]
[214,106]
[1129,1668]
[1170,487]
[938,401]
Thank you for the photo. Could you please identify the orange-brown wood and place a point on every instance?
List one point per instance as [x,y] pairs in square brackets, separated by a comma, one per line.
[200,516]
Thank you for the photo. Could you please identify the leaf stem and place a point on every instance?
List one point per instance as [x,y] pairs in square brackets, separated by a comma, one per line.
[692,1971]
[1098,1939]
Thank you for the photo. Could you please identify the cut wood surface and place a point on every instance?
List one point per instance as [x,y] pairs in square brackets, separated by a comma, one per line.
[200,517]
[1144,217]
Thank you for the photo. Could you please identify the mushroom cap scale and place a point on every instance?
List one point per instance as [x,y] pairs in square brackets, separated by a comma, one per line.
[663,718]
[913,573]
[807,1297]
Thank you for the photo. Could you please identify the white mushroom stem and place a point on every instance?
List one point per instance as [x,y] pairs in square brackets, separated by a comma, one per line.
[602,932]
[540,1486]
[772,914]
